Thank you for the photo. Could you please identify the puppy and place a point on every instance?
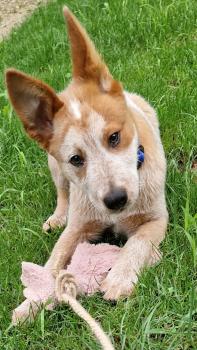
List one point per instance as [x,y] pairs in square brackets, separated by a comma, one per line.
[93,132]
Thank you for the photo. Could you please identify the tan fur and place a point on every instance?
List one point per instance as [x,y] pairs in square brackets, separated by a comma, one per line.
[68,240]
[87,63]
[101,108]
[35,102]
[59,217]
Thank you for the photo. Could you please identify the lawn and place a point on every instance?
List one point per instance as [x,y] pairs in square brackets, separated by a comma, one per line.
[151,47]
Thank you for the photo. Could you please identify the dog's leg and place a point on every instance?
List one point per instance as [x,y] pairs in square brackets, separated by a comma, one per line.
[140,250]
[67,243]
[58,218]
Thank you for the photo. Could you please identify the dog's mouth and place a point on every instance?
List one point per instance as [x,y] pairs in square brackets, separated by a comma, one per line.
[118,211]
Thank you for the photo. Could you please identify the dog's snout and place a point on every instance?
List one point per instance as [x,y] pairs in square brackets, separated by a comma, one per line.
[116,199]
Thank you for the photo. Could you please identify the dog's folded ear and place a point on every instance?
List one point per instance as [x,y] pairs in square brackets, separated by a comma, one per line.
[35,103]
[87,63]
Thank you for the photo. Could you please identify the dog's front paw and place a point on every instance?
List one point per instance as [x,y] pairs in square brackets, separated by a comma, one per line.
[118,284]
[54,221]
[56,263]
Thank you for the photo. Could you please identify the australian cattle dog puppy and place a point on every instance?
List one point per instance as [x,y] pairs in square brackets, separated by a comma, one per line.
[106,159]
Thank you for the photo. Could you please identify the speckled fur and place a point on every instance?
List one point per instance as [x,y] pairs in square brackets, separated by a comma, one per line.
[80,119]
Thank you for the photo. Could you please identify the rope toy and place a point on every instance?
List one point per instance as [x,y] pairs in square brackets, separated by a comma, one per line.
[66,291]
[89,266]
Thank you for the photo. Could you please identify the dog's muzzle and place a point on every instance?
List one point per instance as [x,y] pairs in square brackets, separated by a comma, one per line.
[116,199]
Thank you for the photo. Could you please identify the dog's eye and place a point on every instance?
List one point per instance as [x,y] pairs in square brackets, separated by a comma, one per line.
[76,160]
[114,139]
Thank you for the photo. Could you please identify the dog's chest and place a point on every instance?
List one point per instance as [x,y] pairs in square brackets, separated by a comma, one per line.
[119,233]
[110,236]
[130,224]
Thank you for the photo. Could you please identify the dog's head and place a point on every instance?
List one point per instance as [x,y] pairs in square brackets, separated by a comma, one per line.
[88,127]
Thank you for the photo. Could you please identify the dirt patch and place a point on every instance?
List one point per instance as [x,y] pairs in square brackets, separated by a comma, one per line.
[13,13]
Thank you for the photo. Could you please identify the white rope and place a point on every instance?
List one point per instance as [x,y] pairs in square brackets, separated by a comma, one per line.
[66,291]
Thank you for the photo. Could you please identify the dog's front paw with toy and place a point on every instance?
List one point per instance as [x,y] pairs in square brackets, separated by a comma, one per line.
[118,283]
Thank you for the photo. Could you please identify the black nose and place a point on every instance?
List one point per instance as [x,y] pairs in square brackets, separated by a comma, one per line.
[116,199]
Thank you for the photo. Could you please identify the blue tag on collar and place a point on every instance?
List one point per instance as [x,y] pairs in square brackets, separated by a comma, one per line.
[140,156]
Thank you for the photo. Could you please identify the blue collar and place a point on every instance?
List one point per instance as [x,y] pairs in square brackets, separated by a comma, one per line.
[140,156]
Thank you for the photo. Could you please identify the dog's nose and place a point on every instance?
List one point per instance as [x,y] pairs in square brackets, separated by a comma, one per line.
[116,199]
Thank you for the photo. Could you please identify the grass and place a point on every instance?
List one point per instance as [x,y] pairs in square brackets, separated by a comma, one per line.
[151,47]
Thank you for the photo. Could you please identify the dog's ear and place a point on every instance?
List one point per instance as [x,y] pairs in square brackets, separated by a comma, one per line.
[35,103]
[87,63]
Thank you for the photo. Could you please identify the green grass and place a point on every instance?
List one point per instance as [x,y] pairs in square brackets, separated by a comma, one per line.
[151,47]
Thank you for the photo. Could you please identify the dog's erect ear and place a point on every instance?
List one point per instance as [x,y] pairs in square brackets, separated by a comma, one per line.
[87,63]
[35,103]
